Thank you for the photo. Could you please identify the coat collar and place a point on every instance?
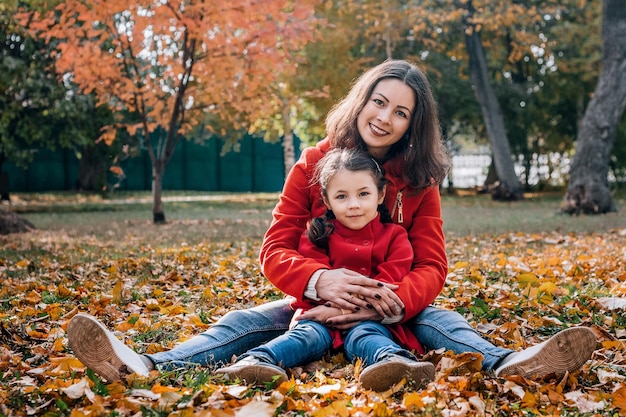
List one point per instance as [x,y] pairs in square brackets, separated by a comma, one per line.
[371,230]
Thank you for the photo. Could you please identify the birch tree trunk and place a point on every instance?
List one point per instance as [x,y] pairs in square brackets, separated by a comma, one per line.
[588,189]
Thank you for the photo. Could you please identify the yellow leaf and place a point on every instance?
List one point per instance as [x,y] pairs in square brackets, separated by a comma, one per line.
[548,287]
[337,408]
[159,389]
[23,263]
[37,334]
[66,364]
[529,399]
[58,345]
[460,265]
[619,398]
[611,344]
[153,305]
[123,326]
[178,310]
[527,279]
[33,297]
[118,289]
[546,298]
[412,399]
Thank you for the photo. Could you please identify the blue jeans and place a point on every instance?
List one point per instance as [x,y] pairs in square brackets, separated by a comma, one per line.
[308,341]
[241,330]
[372,341]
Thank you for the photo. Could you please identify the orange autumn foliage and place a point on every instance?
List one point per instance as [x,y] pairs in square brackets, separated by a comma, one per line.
[173,63]
[166,67]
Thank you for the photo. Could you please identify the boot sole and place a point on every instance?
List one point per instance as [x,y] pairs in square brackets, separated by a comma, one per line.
[564,352]
[382,376]
[90,343]
[254,374]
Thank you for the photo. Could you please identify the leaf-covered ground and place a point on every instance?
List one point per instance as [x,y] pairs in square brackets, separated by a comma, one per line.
[516,289]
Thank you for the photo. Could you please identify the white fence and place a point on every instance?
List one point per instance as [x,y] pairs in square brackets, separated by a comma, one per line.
[470,171]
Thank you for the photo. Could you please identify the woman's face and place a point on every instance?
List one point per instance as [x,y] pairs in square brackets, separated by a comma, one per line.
[386,116]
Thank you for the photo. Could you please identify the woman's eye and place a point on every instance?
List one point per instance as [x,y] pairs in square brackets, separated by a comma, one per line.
[401,114]
[378,101]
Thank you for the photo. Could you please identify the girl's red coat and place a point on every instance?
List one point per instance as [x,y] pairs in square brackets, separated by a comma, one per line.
[300,202]
[380,251]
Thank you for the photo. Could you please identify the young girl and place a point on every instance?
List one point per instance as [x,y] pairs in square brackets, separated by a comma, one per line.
[355,233]
[391,114]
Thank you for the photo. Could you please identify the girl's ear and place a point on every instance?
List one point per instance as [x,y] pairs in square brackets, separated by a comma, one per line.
[381,197]
[325,200]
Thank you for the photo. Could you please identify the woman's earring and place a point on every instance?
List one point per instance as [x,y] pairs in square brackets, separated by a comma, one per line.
[408,138]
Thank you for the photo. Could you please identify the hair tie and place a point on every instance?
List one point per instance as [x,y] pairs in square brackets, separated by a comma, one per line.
[380,171]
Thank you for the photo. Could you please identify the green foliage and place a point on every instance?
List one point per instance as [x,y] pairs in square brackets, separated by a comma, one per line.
[40,111]
[35,105]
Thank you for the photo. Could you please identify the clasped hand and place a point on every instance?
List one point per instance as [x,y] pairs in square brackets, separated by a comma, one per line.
[354,298]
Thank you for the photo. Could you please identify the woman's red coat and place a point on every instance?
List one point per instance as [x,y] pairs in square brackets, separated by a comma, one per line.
[300,201]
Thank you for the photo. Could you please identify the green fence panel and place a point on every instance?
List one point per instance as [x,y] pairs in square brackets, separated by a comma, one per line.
[198,165]
[137,173]
[257,167]
[49,171]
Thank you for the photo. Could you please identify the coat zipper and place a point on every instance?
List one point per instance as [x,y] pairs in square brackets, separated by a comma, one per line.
[398,206]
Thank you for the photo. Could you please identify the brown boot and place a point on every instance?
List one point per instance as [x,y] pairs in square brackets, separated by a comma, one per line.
[387,372]
[98,349]
[254,371]
[564,352]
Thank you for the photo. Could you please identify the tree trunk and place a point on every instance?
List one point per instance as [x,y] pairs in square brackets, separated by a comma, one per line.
[92,172]
[509,186]
[4,182]
[12,223]
[289,153]
[588,189]
[158,214]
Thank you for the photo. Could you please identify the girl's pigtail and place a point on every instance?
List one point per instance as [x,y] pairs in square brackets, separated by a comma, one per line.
[385,216]
[320,229]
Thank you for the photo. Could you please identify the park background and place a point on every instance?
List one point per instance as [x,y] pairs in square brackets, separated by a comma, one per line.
[92,112]
[514,85]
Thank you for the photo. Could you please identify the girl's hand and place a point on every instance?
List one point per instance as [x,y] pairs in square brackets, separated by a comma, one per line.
[350,290]
[336,318]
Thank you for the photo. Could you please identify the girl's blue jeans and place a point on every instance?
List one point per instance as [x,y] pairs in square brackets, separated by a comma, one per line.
[241,330]
[309,340]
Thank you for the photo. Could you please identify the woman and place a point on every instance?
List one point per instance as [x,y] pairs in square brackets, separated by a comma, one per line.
[390,113]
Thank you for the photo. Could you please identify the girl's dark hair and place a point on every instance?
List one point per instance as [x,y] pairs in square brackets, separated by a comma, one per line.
[425,158]
[335,161]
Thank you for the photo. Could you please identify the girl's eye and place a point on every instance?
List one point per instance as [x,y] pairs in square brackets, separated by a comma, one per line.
[378,101]
[364,194]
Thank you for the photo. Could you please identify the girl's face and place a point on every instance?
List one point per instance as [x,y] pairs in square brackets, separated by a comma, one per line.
[353,198]
[386,116]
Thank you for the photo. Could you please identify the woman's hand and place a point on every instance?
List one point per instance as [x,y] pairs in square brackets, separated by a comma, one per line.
[352,291]
[336,318]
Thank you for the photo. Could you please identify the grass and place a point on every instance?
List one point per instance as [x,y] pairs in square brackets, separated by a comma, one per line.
[191,218]
[479,214]
[195,217]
